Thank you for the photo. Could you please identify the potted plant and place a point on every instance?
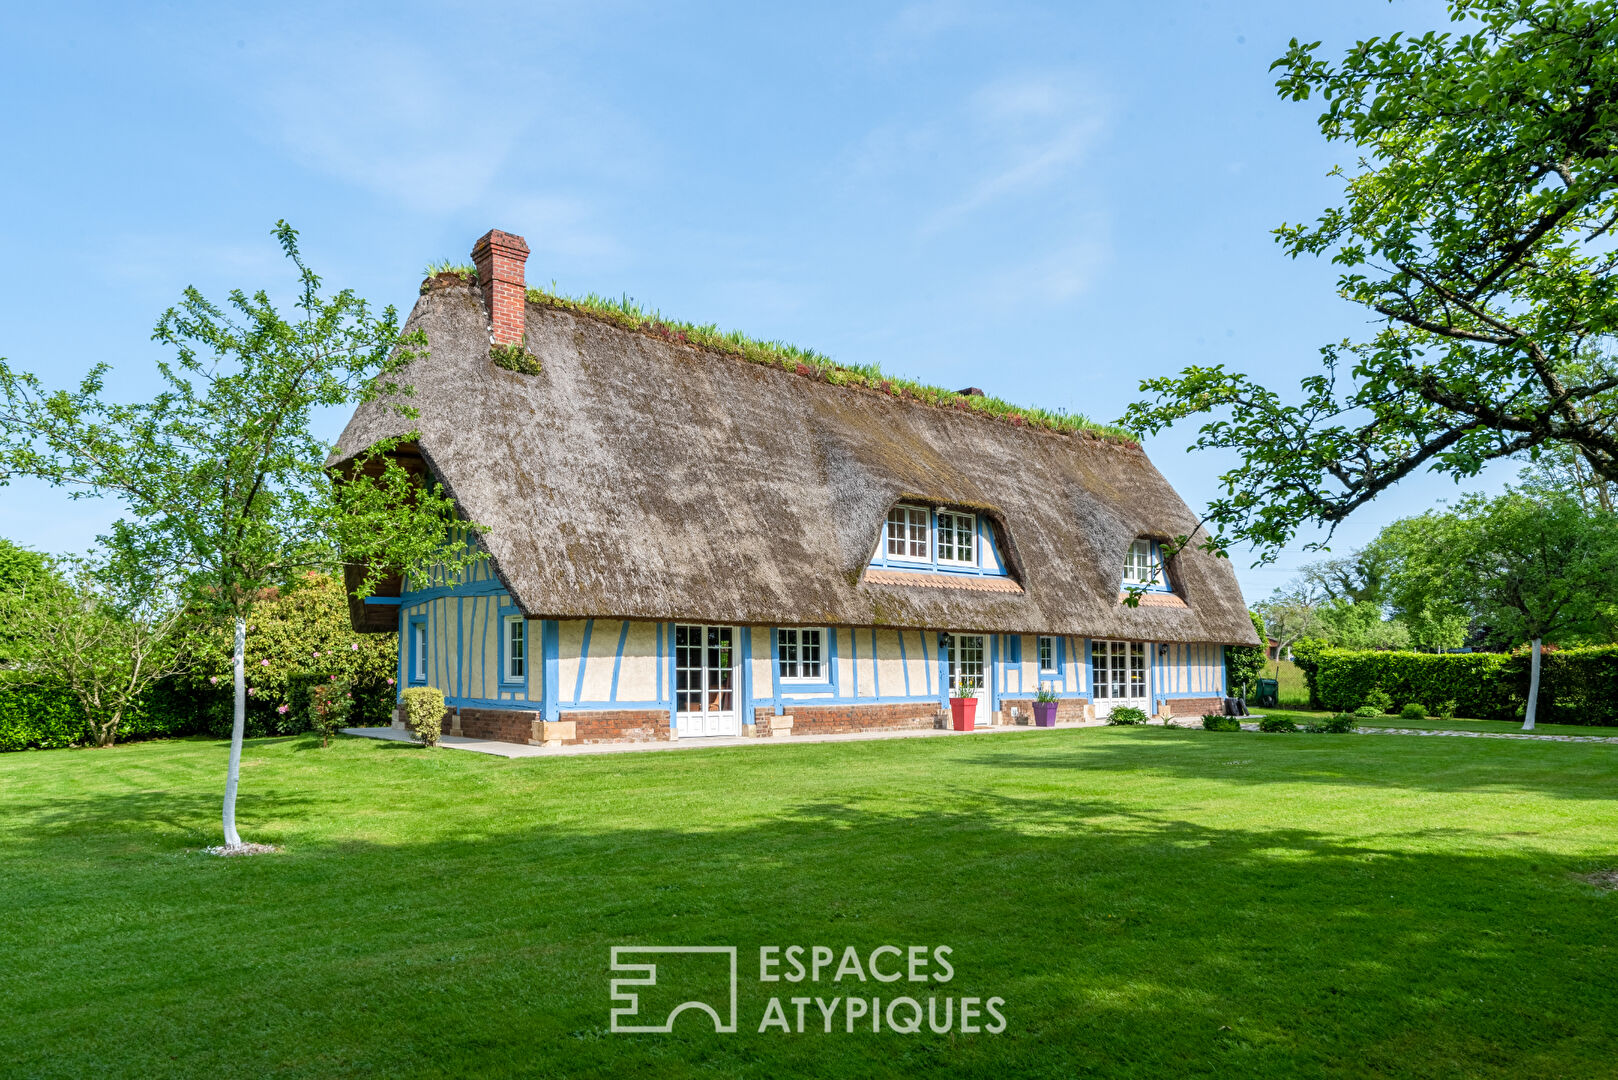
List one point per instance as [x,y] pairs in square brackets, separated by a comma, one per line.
[963,705]
[1044,707]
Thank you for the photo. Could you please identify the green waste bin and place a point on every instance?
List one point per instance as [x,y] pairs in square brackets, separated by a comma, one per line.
[1269,694]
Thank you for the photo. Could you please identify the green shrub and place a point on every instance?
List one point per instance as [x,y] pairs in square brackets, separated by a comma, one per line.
[329,706]
[1341,724]
[1368,712]
[1413,711]
[424,713]
[1276,723]
[1379,700]
[1446,710]
[1126,715]
[1220,722]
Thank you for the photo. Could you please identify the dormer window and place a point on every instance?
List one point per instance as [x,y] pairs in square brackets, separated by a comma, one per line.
[957,535]
[907,533]
[1142,566]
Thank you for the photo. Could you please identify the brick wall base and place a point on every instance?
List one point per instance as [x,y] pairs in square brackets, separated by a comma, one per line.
[522,726]
[500,725]
[847,719]
[1194,707]
[1068,710]
[623,725]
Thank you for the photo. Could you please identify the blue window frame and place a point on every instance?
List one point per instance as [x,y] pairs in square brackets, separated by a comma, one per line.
[513,648]
[416,670]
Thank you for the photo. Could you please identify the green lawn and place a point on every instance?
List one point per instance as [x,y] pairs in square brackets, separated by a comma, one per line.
[1150,903]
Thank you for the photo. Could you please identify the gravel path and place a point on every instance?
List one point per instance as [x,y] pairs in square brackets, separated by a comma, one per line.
[1487,734]
[1472,734]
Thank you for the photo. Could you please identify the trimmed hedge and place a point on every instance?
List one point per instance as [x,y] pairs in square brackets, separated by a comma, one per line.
[1577,686]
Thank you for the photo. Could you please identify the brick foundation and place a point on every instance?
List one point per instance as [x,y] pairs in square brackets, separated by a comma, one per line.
[1068,710]
[1194,707]
[500,725]
[846,719]
[623,725]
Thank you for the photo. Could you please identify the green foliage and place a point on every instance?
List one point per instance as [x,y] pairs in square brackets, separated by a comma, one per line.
[1340,724]
[40,718]
[300,637]
[515,358]
[1220,722]
[330,704]
[424,713]
[1475,227]
[1126,715]
[21,572]
[1378,699]
[1368,712]
[223,476]
[1243,663]
[1577,686]
[1413,710]
[104,630]
[1274,724]
[622,311]
[1347,625]
[1445,710]
[1045,694]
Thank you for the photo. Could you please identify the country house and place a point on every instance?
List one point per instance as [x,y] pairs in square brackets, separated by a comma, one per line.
[685,543]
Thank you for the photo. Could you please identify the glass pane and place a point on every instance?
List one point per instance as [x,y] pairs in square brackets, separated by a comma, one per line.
[811,654]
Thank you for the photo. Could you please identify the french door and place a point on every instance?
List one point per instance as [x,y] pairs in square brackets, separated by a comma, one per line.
[963,653]
[705,681]
[1118,675]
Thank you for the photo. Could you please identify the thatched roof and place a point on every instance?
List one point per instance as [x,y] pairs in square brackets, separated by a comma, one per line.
[635,477]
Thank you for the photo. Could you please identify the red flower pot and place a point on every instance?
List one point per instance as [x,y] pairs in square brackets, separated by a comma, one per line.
[962,712]
[1044,714]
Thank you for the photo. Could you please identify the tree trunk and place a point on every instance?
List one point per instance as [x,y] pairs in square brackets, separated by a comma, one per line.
[1533,689]
[237,725]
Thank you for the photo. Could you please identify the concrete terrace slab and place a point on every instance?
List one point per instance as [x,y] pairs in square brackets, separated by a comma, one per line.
[521,750]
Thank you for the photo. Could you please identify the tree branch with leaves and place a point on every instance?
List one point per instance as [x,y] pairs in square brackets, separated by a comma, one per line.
[1476,226]
[225,483]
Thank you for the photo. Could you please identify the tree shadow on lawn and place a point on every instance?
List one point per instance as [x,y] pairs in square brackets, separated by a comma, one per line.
[1427,763]
[1125,944]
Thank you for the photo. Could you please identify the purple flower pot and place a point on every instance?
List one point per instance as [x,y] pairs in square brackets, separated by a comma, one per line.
[1044,714]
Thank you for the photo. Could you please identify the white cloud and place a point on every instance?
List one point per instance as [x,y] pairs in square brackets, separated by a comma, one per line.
[385,117]
[1025,135]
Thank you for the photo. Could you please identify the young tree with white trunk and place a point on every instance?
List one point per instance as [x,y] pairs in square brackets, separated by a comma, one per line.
[225,484]
[1529,569]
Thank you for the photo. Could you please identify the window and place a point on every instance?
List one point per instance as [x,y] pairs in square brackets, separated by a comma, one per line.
[1047,656]
[1118,669]
[907,533]
[799,654]
[418,652]
[1141,566]
[957,535]
[515,652]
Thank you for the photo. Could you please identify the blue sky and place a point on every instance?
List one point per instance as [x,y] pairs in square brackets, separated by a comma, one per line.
[1047,201]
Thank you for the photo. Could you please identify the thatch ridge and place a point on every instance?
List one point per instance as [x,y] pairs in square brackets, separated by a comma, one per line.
[805,362]
[637,477]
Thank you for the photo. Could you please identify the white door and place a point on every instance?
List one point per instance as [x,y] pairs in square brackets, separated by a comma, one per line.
[1118,675]
[964,653]
[705,681]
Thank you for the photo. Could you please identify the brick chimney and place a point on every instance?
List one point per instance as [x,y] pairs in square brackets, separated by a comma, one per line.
[499,257]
